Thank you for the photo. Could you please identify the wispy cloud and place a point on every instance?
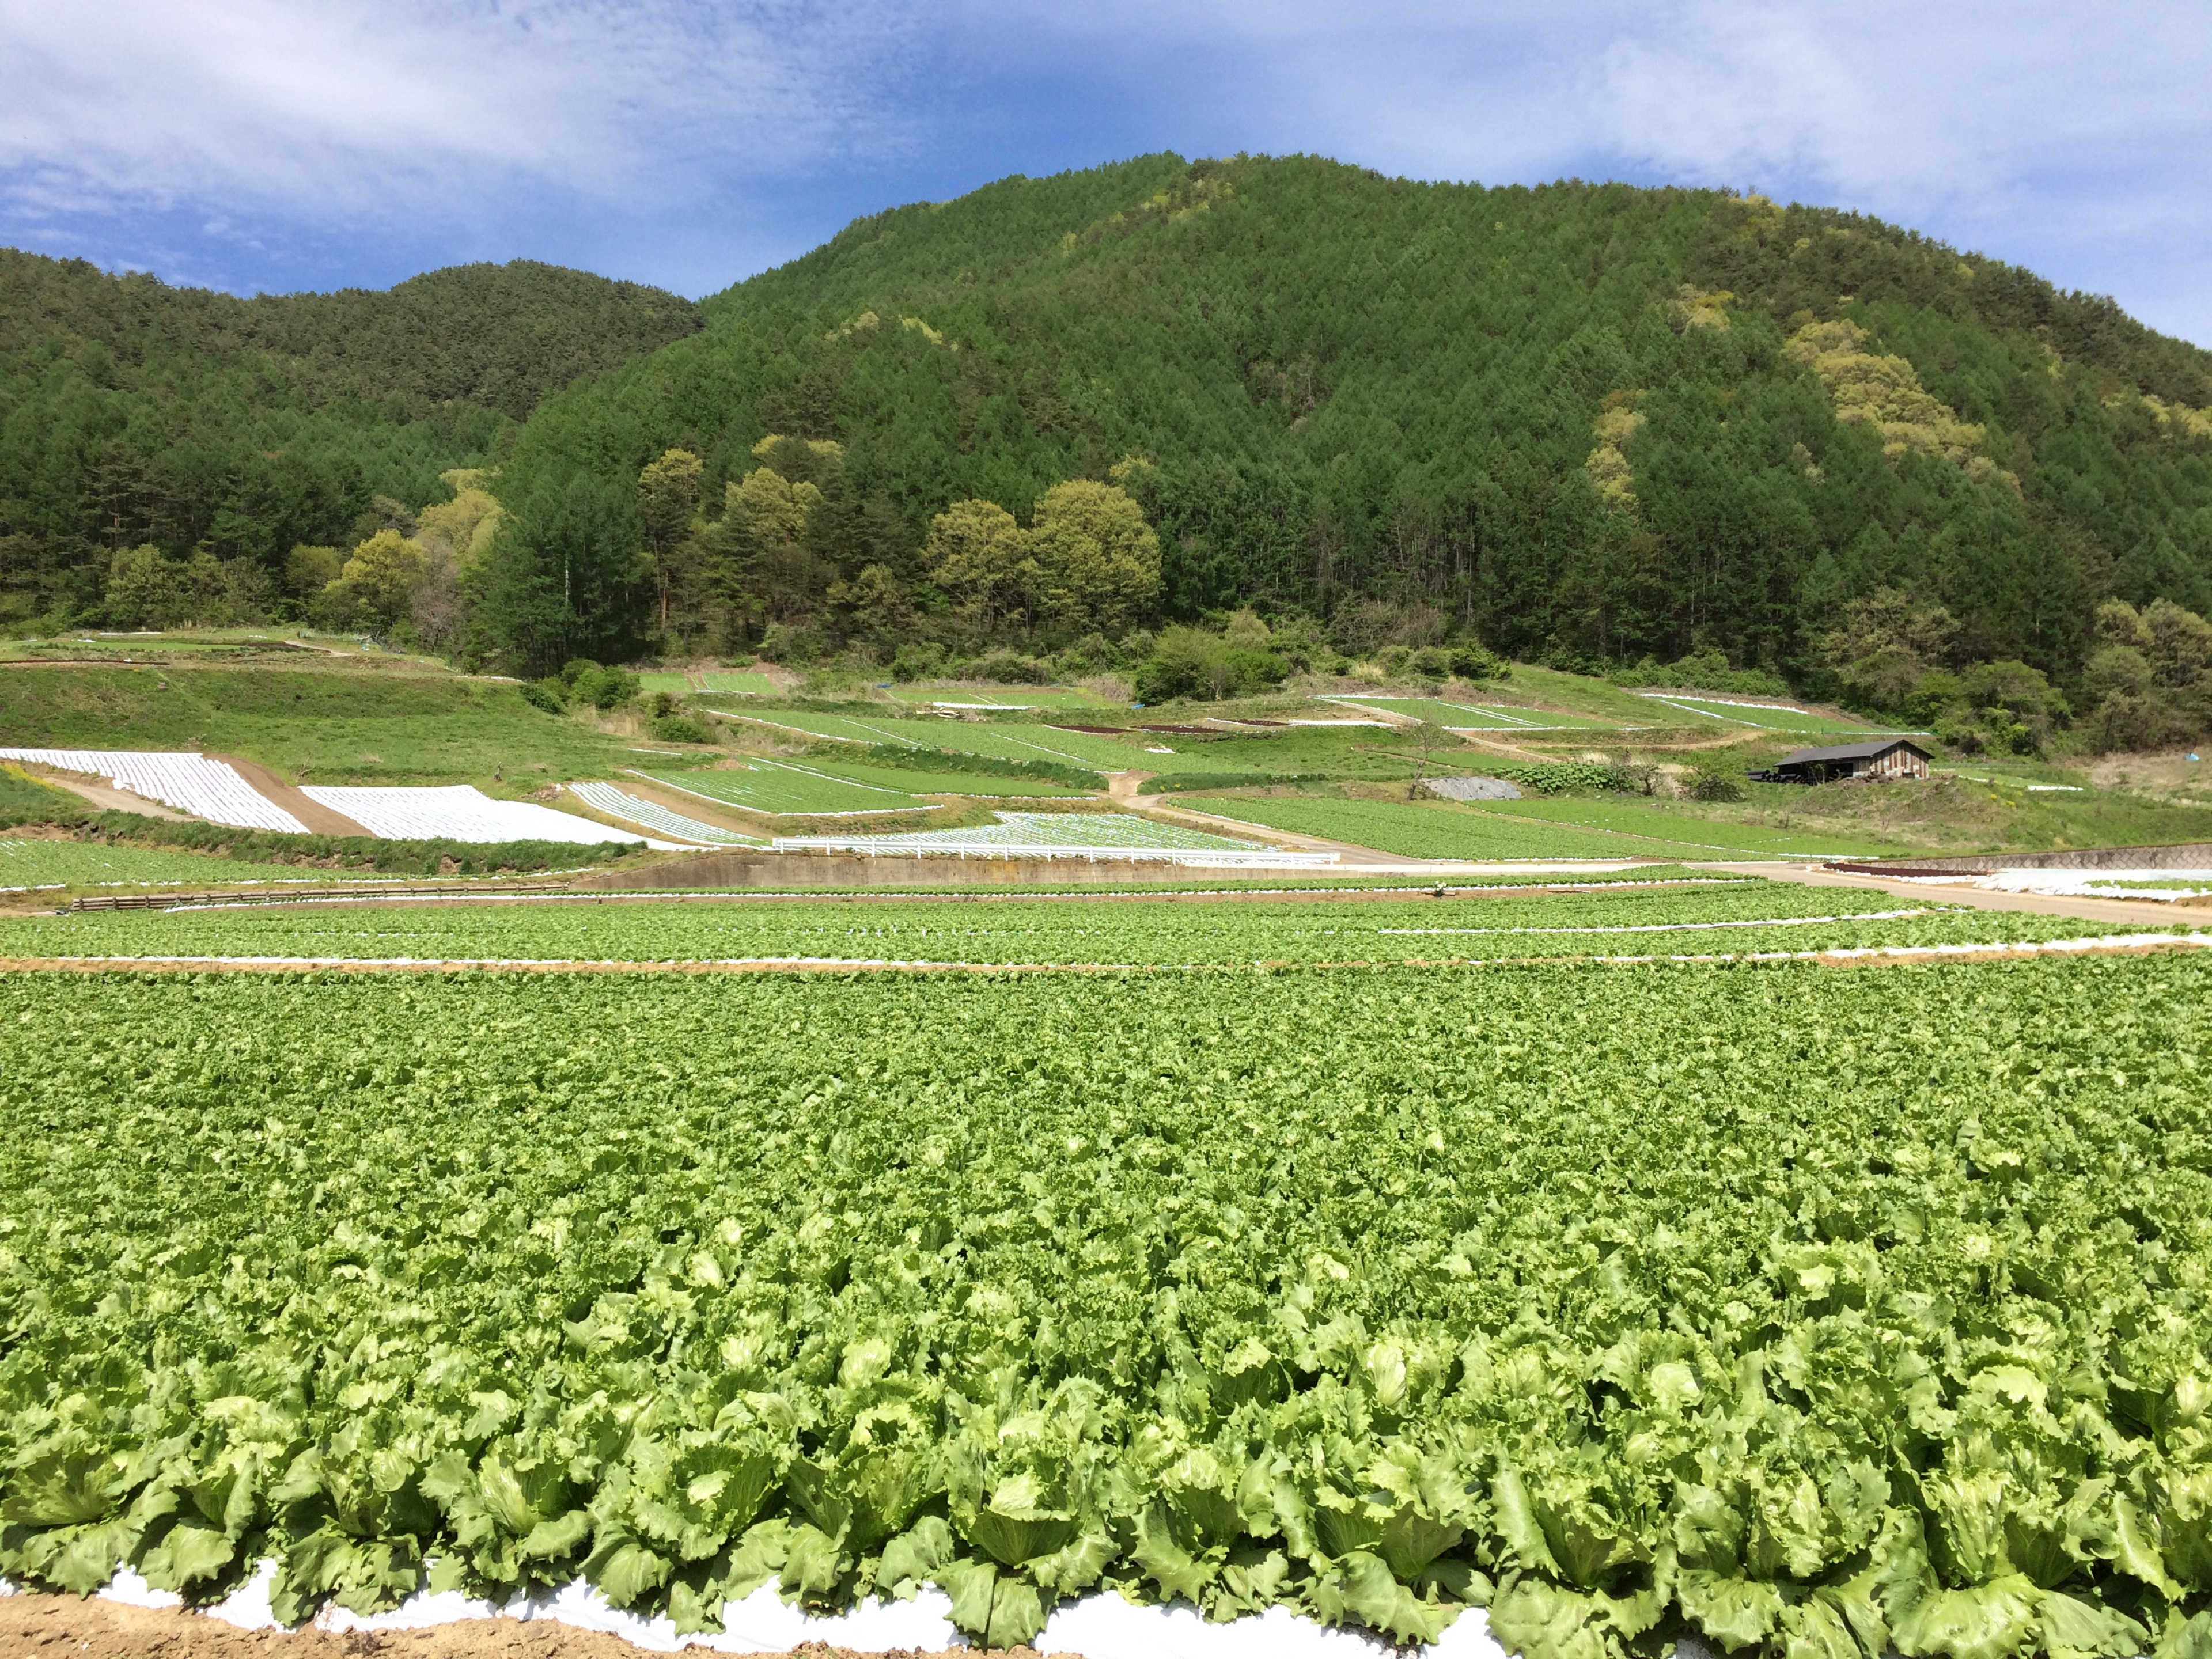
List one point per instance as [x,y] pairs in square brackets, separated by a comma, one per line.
[688,142]
[338,111]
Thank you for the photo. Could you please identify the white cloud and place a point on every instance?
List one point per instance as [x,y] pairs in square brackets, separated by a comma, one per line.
[353,106]
[691,140]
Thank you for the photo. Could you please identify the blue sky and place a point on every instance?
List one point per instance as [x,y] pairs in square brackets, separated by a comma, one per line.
[254,145]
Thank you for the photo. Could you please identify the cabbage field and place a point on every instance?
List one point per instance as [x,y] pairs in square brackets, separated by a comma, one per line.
[1830,1313]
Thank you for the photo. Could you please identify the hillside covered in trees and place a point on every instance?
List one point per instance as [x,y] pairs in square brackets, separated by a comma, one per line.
[1587,424]
[134,414]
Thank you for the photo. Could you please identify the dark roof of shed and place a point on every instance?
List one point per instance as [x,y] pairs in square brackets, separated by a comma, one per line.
[1852,752]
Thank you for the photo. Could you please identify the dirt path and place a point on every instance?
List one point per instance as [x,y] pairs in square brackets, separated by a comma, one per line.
[2140,912]
[319,819]
[97,1629]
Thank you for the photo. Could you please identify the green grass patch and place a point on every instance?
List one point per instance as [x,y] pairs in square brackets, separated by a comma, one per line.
[316,724]
[998,697]
[1729,711]
[1431,829]
[985,785]
[1650,821]
[738,682]
[27,862]
[1470,716]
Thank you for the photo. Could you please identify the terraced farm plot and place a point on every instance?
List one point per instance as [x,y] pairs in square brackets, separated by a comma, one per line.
[1477,717]
[1738,918]
[984,784]
[1087,835]
[1771,717]
[1651,823]
[652,815]
[461,813]
[189,782]
[784,789]
[997,696]
[729,681]
[1009,740]
[1426,830]
[27,863]
[1521,829]
[1365,1291]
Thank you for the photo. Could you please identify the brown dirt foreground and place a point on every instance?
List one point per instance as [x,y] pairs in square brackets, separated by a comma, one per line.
[49,1626]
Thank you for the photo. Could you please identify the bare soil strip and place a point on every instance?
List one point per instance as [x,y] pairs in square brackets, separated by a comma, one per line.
[93,1628]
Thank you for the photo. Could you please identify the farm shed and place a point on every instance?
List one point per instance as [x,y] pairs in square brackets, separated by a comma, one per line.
[1882,759]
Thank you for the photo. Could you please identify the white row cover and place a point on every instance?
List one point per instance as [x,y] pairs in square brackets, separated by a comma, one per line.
[1097,1626]
[191,783]
[462,812]
[621,803]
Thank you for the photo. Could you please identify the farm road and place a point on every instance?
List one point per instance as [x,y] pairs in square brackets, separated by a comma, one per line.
[2138,912]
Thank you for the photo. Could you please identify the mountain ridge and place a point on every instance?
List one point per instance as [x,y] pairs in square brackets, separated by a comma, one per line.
[1583,422]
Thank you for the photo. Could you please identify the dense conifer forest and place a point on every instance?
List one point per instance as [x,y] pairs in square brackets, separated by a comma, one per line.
[1582,423]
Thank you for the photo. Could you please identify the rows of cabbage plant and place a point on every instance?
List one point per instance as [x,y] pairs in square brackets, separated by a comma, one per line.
[1818,1312]
[1752,918]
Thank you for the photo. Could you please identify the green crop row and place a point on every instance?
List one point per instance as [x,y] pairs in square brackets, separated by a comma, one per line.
[1663,921]
[1827,1312]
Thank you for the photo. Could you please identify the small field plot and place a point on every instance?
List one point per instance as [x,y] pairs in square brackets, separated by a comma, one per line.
[744,683]
[1767,716]
[460,812]
[1657,824]
[618,802]
[191,783]
[783,787]
[985,785]
[1476,717]
[997,696]
[1059,834]
[1422,829]
[26,863]
[676,684]
[1012,740]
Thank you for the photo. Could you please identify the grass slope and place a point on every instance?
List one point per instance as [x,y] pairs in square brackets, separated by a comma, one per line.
[325,726]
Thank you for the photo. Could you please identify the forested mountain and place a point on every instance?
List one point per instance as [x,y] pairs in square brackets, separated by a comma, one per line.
[1587,423]
[133,414]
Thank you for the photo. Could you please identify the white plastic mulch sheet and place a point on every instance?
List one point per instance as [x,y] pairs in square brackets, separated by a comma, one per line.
[1103,1626]
[1070,835]
[189,782]
[621,803]
[461,812]
[2167,886]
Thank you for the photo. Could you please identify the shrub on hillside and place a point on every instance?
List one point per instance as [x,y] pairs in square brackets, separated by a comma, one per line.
[1711,783]
[1188,662]
[680,728]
